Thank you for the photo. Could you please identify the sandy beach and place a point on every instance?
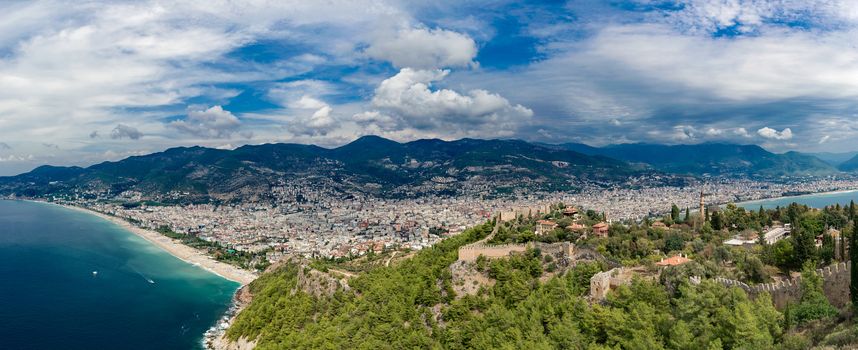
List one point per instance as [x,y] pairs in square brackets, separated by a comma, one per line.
[177,249]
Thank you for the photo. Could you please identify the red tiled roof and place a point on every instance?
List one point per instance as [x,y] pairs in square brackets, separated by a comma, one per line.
[673,261]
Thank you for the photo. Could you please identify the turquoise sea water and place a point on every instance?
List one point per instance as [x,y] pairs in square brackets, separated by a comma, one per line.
[141,297]
[812,200]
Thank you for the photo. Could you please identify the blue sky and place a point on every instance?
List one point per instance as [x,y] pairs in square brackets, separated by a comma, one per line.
[85,82]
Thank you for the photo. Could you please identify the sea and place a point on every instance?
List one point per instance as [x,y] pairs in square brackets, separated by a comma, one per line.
[71,280]
[817,200]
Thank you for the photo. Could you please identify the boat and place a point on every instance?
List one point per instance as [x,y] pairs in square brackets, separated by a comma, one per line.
[94,273]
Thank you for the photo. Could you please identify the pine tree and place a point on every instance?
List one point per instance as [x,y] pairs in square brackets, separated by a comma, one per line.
[687,215]
[674,213]
[717,224]
[852,210]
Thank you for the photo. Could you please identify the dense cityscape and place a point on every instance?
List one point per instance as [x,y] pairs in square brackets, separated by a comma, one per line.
[320,225]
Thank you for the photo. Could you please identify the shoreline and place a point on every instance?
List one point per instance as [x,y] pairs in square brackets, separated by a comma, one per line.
[180,251]
[825,193]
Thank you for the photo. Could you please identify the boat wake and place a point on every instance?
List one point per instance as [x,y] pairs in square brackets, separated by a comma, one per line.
[151,281]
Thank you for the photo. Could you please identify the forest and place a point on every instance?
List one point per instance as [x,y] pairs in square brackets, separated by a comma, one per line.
[412,304]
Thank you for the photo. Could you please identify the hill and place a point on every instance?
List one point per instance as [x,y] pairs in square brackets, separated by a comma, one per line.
[711,158]
[834,158]
[849,165]
[370,164]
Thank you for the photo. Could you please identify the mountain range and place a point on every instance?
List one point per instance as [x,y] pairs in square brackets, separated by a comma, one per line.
[711,158]
[370,164]
[834,158]
[386,168]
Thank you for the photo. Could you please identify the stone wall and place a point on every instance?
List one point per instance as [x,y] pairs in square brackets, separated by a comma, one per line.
[472,251]
[524,211]
[835,285]
[603,282]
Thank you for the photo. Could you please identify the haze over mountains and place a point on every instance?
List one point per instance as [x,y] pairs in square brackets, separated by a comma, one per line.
[384,167]
[712,158]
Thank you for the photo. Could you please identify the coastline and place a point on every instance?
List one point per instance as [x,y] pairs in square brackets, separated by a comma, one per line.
[825,193]
[182,252]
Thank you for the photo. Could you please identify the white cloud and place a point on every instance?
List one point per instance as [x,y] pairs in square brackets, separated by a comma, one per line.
[69,67]
[824,139]
[773,134]
[751,15]
[408,98]
[212,123]
[122,131]
[14,158]
[425,49]
[741,132]
[714,132]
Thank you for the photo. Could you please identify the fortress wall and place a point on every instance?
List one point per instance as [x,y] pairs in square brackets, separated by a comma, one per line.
[472,251]
[835,286]
[525,212]
[836,279]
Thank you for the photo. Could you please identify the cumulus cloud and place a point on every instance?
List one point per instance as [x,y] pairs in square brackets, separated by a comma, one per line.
[425,49]
[305,112]
[741,132]
[407,100]
[773,134]
[70,67]
[212,123]
[122,131]
[314,117]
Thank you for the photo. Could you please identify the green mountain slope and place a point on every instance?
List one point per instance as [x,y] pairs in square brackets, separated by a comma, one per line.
[369,164]
[849,165]
[412,305]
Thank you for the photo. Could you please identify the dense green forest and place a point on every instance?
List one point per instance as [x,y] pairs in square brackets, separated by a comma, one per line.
[412,305]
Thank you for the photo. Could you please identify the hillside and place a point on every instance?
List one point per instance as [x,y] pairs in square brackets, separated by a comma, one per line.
[369,165]
[413,305]
[561,289]
[849,165]
[711,158]
[834,158]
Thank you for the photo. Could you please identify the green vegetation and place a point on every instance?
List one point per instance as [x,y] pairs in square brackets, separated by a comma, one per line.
[813,305]
[853,257]
[407,307]
[539,301]
[385,303]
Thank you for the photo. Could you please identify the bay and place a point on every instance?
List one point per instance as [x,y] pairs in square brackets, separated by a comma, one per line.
[817,200]
[140,298]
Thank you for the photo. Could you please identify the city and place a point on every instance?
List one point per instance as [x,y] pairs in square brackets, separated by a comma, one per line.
[324,226]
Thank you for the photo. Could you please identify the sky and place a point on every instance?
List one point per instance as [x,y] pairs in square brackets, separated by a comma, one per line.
[82,82]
